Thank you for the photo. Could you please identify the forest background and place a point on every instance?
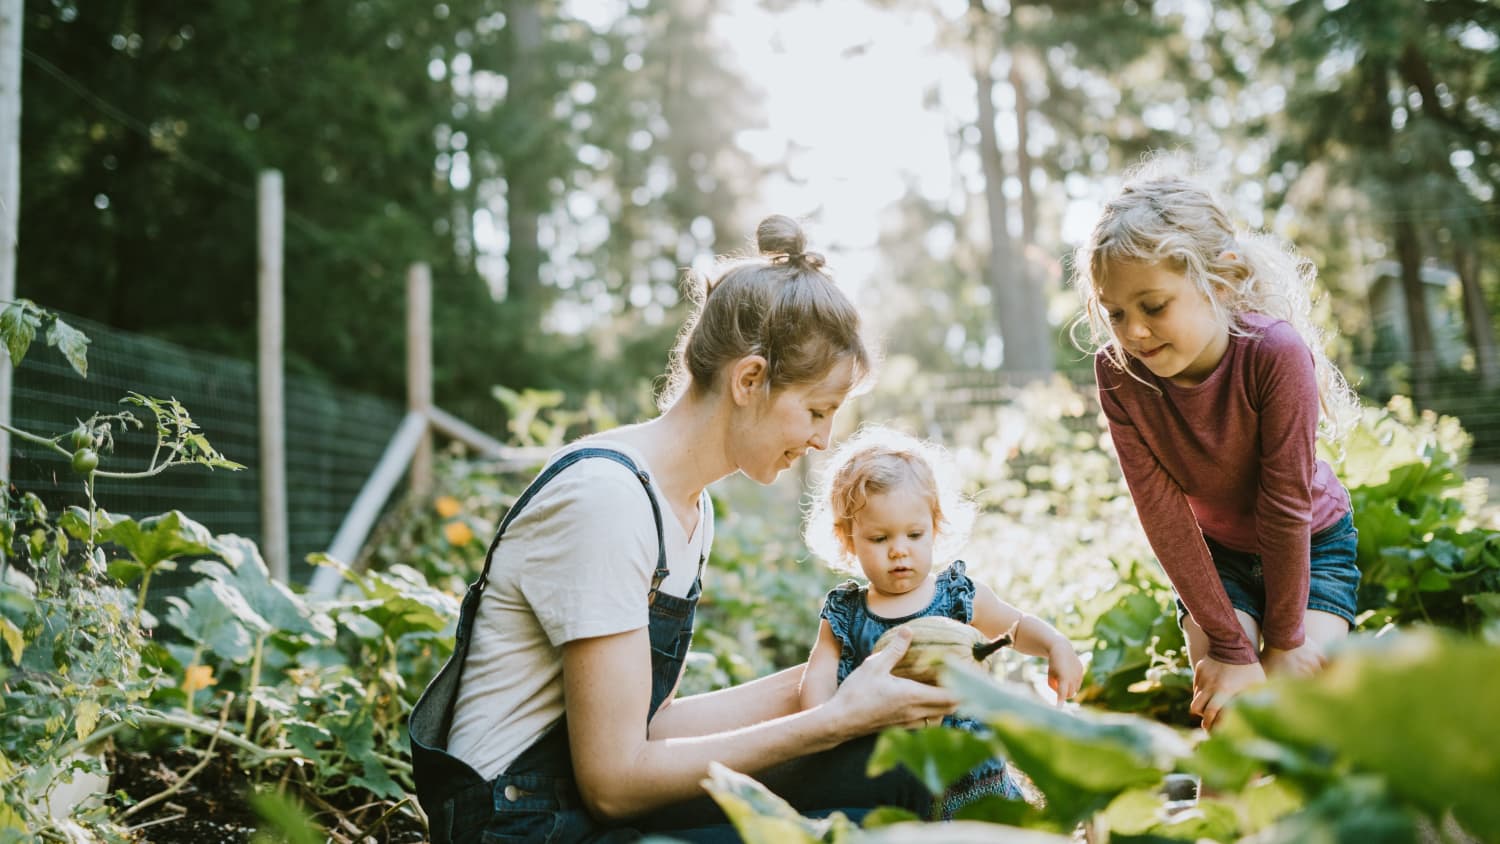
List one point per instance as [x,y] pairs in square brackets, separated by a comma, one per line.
[559,164]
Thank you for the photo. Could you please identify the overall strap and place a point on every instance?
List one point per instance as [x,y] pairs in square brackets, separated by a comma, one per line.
[552,471]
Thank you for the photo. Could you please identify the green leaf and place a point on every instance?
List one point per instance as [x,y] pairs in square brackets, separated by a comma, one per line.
[13,637]
[286,822]
[245,570]
[402,602]
[306,736]
[18,329]
[938,756]
[1422,681]
[959,832]
[1142,812]
[759,816]
[378,780]
[125,571]
[1082,760]
[86,717]
[887,815]
[1487,603]
[1354,810]
[159,538]
[72,343]
[1268,801]
[215,615]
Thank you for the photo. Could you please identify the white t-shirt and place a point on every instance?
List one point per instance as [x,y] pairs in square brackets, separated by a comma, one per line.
[577,563]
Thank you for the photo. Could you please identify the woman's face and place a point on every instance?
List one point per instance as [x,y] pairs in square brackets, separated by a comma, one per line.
[892,537]
[787,423]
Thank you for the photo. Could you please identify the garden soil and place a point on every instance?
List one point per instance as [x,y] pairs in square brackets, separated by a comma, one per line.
[214,807]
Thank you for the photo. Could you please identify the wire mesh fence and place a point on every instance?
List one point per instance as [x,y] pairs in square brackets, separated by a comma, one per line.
[334,437]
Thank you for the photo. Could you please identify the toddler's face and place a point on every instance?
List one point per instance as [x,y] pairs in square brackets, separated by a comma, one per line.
[1160,317]
[893,538]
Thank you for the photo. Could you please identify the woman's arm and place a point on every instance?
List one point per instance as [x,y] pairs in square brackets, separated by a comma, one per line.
[620,772]
[761,699]
[821,679]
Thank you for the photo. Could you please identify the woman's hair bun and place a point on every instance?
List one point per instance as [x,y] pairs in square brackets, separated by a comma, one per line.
[780,237]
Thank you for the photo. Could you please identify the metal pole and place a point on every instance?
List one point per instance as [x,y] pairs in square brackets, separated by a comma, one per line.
[273,508]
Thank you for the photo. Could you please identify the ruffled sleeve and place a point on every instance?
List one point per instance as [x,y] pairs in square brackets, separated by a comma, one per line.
[839,608]
[954,583]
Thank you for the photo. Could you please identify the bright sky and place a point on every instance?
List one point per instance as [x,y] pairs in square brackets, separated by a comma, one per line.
[842,86]
[847,92]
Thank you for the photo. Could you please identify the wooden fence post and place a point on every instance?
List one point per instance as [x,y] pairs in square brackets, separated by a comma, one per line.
[10,187]
[419,368]
[273,507]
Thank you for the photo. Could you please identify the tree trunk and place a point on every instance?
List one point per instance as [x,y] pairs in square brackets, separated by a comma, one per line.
[525,198]
[1477,315]
[1024,165]
[1022,328]
[1032,275]
[1419,323]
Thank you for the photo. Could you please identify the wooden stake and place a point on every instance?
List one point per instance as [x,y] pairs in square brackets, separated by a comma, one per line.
[419,368]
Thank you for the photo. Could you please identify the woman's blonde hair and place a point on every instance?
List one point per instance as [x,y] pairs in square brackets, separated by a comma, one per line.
[875,460]
[1161,216]
[780,304]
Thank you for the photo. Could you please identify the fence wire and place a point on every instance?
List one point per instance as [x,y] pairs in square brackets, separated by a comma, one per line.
[334,437]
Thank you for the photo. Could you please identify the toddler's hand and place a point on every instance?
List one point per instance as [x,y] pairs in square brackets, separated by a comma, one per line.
[1064,671]
[1215,683]
[1303,661]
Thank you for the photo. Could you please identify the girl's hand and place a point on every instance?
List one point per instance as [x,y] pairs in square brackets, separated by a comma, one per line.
[1303,661]
[1215,683]
[1064,671]
[871,698]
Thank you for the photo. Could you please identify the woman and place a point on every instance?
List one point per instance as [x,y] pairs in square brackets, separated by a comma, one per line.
[555,719]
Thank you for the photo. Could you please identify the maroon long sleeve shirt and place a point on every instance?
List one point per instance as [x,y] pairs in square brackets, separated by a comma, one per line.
[1233,458]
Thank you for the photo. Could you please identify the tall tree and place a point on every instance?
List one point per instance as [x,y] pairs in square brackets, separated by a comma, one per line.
[1388,95]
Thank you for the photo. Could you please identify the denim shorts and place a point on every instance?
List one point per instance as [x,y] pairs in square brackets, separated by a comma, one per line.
[1332,585]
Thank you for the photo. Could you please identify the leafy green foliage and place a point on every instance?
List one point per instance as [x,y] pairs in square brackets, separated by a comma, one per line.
[761,817]
[1345,716]
[22,319]
[1080,761]
[1421,557]
[1139,659]
[938,756]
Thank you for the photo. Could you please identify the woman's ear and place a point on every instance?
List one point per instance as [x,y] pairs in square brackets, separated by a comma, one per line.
[747,378]
[1229,256]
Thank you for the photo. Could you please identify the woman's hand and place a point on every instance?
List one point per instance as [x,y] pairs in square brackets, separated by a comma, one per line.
[871,698]
[1064,671]
[1303,661]
[1215,683]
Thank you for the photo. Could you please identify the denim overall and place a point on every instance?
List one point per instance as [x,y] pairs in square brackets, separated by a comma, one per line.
[535,799]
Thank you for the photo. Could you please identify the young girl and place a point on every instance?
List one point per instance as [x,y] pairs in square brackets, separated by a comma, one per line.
[1211,376]
[890,504]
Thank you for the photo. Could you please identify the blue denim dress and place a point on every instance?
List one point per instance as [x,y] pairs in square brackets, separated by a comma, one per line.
[857,629]
[535,799]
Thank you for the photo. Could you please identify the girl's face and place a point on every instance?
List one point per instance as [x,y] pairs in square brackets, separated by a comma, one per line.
[788,423]
[1162,319]
[893,536]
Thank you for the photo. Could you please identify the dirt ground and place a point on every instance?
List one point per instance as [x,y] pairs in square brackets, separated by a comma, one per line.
[214,808]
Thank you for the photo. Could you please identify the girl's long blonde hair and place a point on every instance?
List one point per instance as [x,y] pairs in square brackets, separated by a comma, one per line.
[1162,217]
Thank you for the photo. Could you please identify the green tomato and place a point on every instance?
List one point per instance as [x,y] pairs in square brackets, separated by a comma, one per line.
[82,437]
[85,460]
